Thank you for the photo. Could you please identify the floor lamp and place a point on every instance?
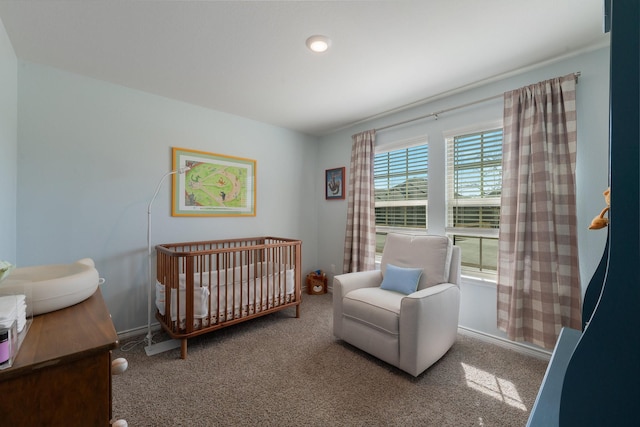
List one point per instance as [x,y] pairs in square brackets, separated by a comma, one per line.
[151,348]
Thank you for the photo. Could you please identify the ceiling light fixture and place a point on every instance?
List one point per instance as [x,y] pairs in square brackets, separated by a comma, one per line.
[318,44]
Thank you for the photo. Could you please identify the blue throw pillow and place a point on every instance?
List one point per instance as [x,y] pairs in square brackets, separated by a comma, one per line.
[401,279]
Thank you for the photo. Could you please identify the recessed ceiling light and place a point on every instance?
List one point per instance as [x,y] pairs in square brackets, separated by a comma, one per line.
[318,44]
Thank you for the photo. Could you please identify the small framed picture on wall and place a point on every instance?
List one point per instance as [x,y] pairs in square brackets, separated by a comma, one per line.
[334,181]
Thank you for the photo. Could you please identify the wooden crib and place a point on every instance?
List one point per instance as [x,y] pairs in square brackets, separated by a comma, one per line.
[207,285]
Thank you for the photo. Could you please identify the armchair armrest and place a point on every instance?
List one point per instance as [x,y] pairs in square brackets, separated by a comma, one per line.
[431,291]
[345,283]
[428,325]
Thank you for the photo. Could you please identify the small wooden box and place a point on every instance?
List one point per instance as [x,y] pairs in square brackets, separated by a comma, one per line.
[316,283]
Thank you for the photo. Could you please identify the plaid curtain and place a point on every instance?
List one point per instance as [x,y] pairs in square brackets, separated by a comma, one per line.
[538,276]
[360,237]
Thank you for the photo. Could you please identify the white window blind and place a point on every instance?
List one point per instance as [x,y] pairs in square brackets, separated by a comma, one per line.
[474,187]
[401,188]
[474,180]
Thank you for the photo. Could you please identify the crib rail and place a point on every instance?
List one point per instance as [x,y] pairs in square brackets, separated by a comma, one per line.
[206,285]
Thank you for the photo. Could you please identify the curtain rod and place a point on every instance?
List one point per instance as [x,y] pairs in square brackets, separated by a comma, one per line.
[446,110]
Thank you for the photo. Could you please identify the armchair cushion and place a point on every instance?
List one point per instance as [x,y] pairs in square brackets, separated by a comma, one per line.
[374,307]
[401,279]
[432,253]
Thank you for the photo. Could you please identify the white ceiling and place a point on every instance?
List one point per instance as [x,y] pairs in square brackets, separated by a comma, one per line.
[249,58]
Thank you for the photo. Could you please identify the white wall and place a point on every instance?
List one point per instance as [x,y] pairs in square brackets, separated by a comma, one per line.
[8,147]
[91,154]
[478,305]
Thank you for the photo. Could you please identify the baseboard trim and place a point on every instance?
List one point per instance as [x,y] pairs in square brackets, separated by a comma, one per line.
[511,345]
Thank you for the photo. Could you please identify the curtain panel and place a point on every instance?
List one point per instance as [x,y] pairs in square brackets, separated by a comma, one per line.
[360,236]
[538,276]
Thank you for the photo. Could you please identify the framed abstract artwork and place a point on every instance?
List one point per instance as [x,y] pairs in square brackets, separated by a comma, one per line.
[334,183]
[213,185]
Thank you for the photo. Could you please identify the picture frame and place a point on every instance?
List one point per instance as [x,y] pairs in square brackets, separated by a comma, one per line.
[334,184]
[213,185]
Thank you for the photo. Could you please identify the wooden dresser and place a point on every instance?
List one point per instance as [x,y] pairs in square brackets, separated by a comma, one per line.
[62,373]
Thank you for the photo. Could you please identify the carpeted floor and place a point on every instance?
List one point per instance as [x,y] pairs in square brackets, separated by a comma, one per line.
[281,371]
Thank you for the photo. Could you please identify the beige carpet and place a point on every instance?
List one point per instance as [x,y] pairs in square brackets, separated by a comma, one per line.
[281,371]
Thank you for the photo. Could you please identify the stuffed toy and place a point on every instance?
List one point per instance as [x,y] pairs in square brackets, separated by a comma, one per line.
[600,221]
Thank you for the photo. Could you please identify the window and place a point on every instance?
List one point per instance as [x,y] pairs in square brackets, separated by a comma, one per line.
[474,187]
[401,189]
[471,185]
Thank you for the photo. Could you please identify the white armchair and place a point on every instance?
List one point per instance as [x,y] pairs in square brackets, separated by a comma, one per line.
[407,328]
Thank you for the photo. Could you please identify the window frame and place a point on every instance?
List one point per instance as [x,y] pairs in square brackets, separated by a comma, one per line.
[472,232]
[404,144]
